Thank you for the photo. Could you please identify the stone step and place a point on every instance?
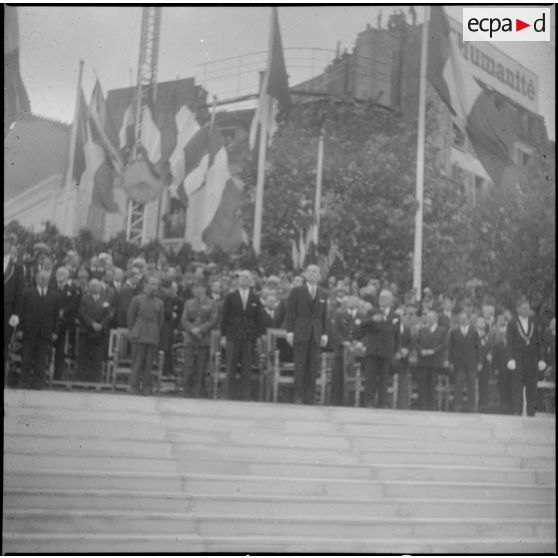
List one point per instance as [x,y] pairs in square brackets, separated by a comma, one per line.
[52,521]
[271,504]
[180,543]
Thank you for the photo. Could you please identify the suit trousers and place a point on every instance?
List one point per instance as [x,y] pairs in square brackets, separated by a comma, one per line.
[34,362]
[90,358]
[306,358]
[337,378]
[195,367]
[403,389]
[376,372]
[505,391]
[465,377]
[143,357]
[525,374]
[59,353]
[484,380]
[239,349]
[426,383]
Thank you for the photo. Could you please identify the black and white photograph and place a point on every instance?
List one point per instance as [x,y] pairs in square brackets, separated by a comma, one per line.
[279,279]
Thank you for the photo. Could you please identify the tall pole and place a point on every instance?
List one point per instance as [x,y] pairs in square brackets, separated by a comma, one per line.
[318,201]
[257,239]
[417,255]
[71,193]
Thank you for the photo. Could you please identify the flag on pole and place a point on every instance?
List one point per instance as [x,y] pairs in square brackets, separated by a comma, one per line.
[16,101]
[473,105]
[275,97]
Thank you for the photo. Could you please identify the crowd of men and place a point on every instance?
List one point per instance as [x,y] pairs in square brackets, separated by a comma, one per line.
[60,305]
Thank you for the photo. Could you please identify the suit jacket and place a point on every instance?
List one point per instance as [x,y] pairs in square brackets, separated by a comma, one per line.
[39,317]
[436,340]
[238,323]
[406,341]
[201,314]
[345,328]
[13,291]
[146,315]
[69,298]
[306,318]
[122,303]
[464,350]
[444,321]
[270,321]
[281,313]
[91,311]
[381,338]
[525,343]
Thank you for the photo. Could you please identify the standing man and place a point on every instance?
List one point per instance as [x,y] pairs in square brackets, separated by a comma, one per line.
[13,292]
[306,332]
[39,324]
[525,350]
[465,361]
[146,315]
[198,319]
[381,338]
[124,298]
[240,328]
[94,316]
[431,346]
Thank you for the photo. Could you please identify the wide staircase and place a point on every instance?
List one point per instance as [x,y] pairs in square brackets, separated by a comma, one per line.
[92,473]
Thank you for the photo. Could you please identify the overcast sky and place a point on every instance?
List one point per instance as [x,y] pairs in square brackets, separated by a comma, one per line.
[54,39]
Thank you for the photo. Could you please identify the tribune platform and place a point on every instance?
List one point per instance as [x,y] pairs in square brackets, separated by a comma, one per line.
[95,472]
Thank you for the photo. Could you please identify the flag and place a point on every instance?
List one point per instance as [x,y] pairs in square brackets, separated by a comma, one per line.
[213,196]
[16,101]
[275,97]
[474,106]
[79,163]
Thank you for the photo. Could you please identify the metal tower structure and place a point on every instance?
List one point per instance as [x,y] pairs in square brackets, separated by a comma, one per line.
[146,93]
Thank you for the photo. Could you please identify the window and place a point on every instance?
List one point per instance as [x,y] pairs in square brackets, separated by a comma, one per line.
[228,134]
[522,156]
[458,176]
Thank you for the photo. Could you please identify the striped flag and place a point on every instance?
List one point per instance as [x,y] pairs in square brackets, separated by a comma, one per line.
[16,101]
[275,97]
[473,105]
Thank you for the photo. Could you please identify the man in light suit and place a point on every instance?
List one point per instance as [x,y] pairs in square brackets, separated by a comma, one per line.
[240,328]
[525,351]
[198,319]
[306,332]
[145,320]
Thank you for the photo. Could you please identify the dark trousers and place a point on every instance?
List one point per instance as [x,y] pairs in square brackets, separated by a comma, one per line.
[306,358]
[376,373]
[505,390]
[34,362]
[525,374]
[403,384]
[90,357]
[464,377]
[337,378]
[59,352]
[143,356]
[426,383]
[239,350]
[195,367]
[484,380]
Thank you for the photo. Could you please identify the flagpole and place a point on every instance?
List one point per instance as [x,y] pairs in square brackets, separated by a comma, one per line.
[417,255]
[71,194]
[318,201]
[260,184]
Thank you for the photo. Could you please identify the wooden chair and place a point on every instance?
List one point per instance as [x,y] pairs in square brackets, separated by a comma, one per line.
[280,374]
[217,368]
[178,362]
[323,381]
[442,392]
[353,382]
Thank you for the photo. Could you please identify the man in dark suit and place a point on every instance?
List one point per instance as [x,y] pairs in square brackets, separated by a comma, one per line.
[432,341]
[401,363]
[95,316]
[13,292]
[526,351]
[306,332]
[39,324]
[198,319]
[69,296]
[124,298]
[345,328]
[380,333]
[465,361]
[270,317]
[446,318]
[240,328]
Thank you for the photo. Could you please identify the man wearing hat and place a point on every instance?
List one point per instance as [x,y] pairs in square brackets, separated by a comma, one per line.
[198,319]
[13,291]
